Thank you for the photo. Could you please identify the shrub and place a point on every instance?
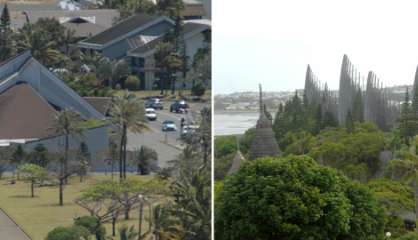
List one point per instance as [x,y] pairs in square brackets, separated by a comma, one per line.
[198,89]
[68,233]
[409,236]
[91,224]
[132,83]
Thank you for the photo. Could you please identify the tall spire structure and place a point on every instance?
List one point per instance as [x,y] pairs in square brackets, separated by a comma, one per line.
[264,143]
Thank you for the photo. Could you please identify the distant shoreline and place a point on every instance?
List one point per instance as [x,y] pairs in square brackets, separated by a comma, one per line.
[234,111]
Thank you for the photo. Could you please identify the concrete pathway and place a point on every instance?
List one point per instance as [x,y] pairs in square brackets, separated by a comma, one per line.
[9,230]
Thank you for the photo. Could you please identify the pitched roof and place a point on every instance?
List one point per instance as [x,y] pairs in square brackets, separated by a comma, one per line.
[24,114]
[85,29]
[188,28]
[103,18]
[23,68]
[124,27]
[101,104]
[264,143]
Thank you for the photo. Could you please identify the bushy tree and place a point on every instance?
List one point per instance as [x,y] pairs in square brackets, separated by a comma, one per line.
[146,159]
[396,198]
[18,157]
[68,233]
[132,83]
[225,150]
[91,223]
[39,156]
[198,89]
[409,236]
[357,154]
[168,62]
[34,174]
[294,198]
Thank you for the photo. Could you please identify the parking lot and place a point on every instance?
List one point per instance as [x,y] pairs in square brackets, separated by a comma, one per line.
[167,144]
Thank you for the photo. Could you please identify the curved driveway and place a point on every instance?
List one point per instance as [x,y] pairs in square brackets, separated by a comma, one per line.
[9,229]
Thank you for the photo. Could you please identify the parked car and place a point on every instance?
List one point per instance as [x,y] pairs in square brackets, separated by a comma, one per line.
[151,114]
[188,129]
[179,106]
[169,125]
[154,103]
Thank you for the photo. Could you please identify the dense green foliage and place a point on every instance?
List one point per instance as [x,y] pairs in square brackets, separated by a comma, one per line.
[32,173]
[295,198]
[132,83]
[199,89]
[385,162]
[300,115]
[409,236]
[68,233]
[92,225]
[146,159]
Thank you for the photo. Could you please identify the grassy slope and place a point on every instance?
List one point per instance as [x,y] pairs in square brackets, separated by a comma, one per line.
[37,216]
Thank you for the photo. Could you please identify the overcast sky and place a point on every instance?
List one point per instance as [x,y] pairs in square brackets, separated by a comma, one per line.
[272,41]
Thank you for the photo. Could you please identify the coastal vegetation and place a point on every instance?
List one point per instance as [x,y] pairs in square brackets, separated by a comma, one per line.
[379,166]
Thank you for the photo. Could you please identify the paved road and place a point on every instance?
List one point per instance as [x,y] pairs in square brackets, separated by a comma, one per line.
[9,230]
[167,144]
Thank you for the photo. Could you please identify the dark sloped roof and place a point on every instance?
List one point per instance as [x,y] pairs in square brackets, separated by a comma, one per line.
[121,28]
[24,114]
[187,28]
[86,29]
[264,143]
[101,104]
[191,26]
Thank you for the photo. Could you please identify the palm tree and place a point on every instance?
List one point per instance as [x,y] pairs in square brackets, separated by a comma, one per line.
[146,159]
[166,225]
[128,113]
[126,233]
[42,48]
[66,123]
[119,70]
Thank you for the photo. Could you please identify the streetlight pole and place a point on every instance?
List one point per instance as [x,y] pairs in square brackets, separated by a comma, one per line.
[141,211]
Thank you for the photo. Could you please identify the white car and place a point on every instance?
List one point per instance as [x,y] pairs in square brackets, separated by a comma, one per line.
[169,125]
[188,129]
[150,114]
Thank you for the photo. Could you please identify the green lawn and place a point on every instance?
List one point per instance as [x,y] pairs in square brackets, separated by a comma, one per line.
[37,216]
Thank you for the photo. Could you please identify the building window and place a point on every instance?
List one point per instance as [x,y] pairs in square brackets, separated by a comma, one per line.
[137,62]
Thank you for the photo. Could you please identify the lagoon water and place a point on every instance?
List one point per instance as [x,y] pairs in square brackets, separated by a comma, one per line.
[227,123]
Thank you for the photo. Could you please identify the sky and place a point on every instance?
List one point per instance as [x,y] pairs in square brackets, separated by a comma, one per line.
[272,41]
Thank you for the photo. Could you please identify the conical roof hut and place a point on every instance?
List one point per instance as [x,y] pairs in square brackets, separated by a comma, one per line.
[264,143]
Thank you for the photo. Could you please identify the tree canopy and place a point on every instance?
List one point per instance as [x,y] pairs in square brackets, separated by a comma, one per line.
[295,198]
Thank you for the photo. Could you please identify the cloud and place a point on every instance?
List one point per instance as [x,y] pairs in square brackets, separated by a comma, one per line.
[272,41]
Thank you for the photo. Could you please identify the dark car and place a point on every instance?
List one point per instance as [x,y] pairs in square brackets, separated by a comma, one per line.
[154,103]
[179,106]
